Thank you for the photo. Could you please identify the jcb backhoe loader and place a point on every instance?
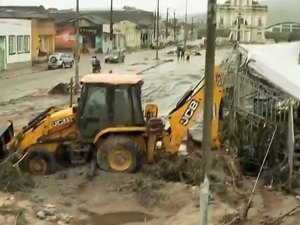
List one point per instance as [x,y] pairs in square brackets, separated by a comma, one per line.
[107,123]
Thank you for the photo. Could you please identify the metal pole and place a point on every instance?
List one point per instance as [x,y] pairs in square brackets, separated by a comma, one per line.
[77,48]
[157,29]
[192,29]
[174,26]
[185,23]
[167,21]
[208,107]
[111,29]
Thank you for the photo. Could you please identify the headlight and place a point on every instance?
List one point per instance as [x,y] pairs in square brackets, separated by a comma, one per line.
[115,57]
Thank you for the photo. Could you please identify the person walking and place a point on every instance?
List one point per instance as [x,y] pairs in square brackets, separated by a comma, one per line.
[182,54]
[188,54]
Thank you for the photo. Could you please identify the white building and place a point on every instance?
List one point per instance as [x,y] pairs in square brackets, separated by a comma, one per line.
[15,43]
[253,19]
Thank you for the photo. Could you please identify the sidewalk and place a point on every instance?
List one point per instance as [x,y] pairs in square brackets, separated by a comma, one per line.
[23,71]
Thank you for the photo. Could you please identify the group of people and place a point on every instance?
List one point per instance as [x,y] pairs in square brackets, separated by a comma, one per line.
[183,53]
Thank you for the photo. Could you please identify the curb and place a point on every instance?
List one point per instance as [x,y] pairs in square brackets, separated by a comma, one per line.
[154,66]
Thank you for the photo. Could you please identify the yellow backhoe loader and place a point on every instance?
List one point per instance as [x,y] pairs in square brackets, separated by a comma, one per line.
[108,123]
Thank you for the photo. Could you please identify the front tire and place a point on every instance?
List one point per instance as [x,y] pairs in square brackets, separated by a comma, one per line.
[119,154]
[39,162]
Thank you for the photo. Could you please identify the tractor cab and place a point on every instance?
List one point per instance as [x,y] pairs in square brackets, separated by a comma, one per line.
[109,101]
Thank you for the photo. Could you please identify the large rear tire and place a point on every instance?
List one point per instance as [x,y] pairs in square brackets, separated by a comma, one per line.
[119,154]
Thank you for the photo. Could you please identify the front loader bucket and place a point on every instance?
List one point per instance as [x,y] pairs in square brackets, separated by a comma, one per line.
[6,135]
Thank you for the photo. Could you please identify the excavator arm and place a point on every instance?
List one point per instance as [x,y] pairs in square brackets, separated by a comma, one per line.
[184,115]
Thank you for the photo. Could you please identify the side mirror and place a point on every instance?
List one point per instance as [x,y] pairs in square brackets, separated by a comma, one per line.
[151,111]
[78,100]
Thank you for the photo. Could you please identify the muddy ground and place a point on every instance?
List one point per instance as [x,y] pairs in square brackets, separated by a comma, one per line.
[68,197]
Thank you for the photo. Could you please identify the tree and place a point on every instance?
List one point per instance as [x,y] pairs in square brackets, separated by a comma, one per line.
[277,36]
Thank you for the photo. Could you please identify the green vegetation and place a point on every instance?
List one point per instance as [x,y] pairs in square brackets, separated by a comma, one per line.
[283,36]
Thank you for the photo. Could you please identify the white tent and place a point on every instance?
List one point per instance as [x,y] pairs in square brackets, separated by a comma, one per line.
[278,63]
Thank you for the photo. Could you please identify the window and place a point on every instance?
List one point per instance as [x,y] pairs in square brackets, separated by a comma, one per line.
[20,44]
[12,44]
[27,44]
[221,21]
[259,22]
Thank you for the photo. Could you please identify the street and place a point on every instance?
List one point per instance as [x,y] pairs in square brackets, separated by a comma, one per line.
[26,95]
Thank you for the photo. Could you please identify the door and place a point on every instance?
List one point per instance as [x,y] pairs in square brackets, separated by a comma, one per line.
[2,54]
[93,111]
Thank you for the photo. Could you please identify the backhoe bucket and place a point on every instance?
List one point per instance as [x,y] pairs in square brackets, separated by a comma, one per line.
[6,135]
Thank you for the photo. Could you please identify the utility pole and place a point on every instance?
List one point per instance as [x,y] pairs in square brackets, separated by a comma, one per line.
[208,108]
[238,36]
[192,29]
[174,24]
[111,29]
[77,48]
[157,29]
[185,23]
[154,23]
[167,22]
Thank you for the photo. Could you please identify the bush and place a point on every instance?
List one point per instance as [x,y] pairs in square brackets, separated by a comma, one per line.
[277,36]
[294,36]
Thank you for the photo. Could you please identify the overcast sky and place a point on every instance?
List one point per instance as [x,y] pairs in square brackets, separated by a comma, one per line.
[194,6]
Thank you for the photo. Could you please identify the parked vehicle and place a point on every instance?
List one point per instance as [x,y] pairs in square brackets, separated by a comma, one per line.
[60,60]
[116,56]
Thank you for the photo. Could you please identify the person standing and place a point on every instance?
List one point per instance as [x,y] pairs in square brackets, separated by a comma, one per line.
[182,54]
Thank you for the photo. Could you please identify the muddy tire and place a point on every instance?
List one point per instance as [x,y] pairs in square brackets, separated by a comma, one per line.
[39,162]
[119,154]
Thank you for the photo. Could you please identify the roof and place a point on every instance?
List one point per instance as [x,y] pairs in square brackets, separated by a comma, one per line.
[25,12]
[139,17]
[115,79]
[266,61]
[283,23]
[93,19]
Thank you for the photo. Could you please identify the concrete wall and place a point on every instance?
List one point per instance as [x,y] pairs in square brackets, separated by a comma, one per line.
[43,37]
[254,16]
[132,34]
[14,28]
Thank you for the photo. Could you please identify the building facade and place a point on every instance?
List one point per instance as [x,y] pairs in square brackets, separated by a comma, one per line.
[246,20]
[43,38]
[15,43]
[131,33]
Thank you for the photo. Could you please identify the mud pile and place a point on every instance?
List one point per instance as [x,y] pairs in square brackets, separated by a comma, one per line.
[60,89]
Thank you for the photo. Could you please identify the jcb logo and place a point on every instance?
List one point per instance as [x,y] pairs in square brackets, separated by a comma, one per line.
[218,80]
[188,114]
[61,122]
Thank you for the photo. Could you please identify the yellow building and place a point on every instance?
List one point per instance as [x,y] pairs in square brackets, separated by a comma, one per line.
[42,38]
[42,28]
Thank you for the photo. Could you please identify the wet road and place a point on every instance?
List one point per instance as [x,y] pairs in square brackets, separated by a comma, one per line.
[23,97]
[20,86]
[167,83]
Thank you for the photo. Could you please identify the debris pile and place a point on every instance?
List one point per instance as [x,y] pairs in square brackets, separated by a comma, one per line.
[11,214]
[48,212]
[12,180]
[147,190]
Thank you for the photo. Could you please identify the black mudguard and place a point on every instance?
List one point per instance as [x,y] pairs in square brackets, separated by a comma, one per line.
[6,135]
